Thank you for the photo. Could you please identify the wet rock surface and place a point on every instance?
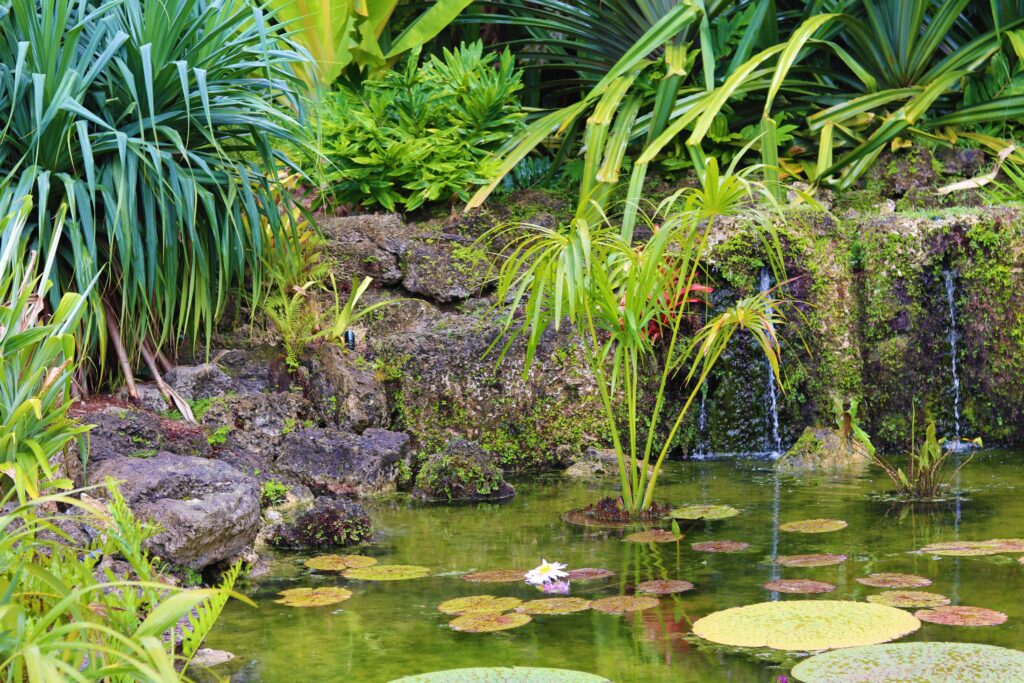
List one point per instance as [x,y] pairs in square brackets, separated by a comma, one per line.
[331,522]
[463,471]
[335,462]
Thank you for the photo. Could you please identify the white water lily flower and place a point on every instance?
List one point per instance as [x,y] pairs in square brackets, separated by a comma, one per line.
[547,571]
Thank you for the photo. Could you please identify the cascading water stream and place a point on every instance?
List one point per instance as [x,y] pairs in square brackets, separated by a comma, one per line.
[703,447]
[775,444]
[953,337]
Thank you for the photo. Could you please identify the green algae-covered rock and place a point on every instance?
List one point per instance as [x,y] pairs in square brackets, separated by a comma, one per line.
[823,448]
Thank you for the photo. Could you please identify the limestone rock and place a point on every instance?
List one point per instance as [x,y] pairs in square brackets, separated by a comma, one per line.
[463,471]
[332,462]
[824,448]
[332,521]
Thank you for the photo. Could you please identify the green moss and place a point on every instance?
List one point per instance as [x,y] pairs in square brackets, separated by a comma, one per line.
[218,436]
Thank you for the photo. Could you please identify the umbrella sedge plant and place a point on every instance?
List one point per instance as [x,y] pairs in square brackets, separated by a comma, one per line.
[635,307]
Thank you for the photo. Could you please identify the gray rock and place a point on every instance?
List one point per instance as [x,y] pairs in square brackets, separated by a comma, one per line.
[344,390]
[208,510]
[445,269]
[366,246]
[463,471]
[194,382]
[121,431]
[331,461]
[330,523]
[589,469]
[824,448]
[206,657]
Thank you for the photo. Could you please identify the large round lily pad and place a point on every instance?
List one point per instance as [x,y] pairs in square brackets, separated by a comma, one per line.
[806,625]
[554,606]
[720,546]
[519,674]
[620,604]
[496,576]
[909,599]
[589,574]
[664,586]
[813,526]
[388,572]
[914,662]
[961,616]
[799,586]
[992,546]
[888,580]
[478,604]
[709,512]
[653,536]
[815,560]
[489,621]
[339,563]
[313,597]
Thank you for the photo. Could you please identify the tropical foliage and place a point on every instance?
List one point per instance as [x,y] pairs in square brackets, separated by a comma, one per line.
[422,133]
[153,122]
[924,476]
[633,304]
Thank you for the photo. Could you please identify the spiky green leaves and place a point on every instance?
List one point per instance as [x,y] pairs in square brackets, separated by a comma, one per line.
[806,625]
[901,662]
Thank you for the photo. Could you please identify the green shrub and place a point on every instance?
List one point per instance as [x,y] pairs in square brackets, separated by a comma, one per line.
[272,493]
[156,122]
[421,133]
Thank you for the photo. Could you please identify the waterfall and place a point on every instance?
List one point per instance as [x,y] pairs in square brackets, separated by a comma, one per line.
[953,338]
[703,447]
[775,444]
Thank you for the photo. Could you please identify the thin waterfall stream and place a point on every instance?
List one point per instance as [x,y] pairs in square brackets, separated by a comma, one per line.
[953,337]
[775,444]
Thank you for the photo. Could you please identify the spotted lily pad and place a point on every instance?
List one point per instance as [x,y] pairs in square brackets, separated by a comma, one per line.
[339,563]
[799,586]
[884,580]
[813,526]
[620,604]
[806,625]
[907,599]
[489,621]
[720,546]
[653,536]
[903,662]
[815,560]
[664,586]
[975,548]
[496,576]
[478,604]
[554,606]
[589,574]
[519,674]
[961,616]
[709,512]
[313,597]
[388,572]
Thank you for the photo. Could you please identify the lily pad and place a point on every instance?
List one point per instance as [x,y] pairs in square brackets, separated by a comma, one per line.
[799,586]
[496,674]
[388,572]
[992,546]
[653,536]
[339,563]
[806,625]
[489,621]
[313,597]
[554,606]
[961,616]
[907,599]
[664,586]
[620,604]
[903,662]
[815,560]
[589,574]
[478,604]
[709,512]
[496,576]
[884,580]
[1021,559]
[720,546]
[813,526]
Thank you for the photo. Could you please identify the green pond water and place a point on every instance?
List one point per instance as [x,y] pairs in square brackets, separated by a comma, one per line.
[387,630]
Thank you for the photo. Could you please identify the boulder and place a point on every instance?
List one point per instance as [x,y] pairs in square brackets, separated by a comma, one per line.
[208,510]
[463,471]
[824,448]
[332,462]
[445,269]
[331,522]
[344,390]
[196,382]
[123,431]
[366,246]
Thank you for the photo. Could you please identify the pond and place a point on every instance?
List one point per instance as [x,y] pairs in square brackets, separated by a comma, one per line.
[391,629]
